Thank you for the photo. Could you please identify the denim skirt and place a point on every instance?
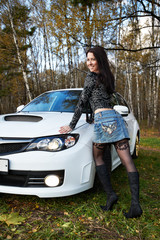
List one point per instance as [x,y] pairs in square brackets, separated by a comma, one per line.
[109,127]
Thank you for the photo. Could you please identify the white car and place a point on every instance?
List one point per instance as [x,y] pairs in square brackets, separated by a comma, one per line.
[35,159]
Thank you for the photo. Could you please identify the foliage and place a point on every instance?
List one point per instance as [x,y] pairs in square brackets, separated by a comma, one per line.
[144,6]
[10,68]
[80,217]
[53,38]
[87,3]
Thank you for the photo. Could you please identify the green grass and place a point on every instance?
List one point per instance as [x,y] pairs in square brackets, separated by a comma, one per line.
[151,142]
[80,217]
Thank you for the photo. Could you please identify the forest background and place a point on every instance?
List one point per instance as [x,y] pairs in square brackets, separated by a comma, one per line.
[43,45]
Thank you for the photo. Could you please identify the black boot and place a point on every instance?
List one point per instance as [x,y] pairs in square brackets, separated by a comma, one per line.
[104,178]
[135,208]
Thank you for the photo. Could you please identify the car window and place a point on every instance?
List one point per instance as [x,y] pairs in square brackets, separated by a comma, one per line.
[122,101]
[117,99]
[58,101]
[114,100]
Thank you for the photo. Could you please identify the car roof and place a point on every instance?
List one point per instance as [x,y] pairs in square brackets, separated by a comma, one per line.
[65,89]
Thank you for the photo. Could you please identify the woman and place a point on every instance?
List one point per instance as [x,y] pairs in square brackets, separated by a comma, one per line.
[109,127]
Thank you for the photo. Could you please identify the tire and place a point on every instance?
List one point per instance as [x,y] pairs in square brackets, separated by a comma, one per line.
[136,148]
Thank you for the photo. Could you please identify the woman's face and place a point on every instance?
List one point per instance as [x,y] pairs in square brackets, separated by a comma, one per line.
[92,63]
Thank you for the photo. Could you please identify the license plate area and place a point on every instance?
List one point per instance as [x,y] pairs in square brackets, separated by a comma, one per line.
[4,166]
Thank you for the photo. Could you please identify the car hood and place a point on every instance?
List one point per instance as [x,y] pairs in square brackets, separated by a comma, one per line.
[31,125]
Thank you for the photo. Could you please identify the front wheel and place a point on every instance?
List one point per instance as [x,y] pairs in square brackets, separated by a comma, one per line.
[136,148]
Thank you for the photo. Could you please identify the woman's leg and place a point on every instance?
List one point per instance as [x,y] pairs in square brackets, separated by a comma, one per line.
[104,176]
[123,150]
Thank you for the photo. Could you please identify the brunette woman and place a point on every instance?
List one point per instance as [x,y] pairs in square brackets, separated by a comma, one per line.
[109,127]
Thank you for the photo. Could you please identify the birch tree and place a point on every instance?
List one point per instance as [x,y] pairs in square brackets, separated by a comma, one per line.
[8,4]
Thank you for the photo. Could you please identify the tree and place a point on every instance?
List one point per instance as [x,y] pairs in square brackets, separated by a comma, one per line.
[18,49]
[131,10]
[15,31]
[55,57]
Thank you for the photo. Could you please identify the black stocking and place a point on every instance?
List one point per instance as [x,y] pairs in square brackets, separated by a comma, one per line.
[123,150]
[98,151]
[104,176]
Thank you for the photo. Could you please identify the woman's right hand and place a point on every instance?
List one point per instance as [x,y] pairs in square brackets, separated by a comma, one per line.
[65,129]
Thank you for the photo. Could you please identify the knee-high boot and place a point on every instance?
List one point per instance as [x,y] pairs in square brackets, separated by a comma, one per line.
[104,178]
[135,208]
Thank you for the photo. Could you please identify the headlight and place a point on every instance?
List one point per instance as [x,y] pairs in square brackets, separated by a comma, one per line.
[53,143]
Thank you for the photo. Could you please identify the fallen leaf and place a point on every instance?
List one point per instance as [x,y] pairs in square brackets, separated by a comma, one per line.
[12,218]
[9,237]
[66,225]
[66,213]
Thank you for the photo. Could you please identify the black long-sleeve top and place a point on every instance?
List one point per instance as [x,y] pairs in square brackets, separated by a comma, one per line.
[94,93]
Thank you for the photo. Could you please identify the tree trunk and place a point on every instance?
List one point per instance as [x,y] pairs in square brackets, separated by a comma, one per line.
[138,100]
[19,54]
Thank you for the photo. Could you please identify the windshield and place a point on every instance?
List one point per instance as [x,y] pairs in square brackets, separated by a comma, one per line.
[58,101]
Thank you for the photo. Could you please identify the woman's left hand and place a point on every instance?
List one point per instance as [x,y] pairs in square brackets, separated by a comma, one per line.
[65,129]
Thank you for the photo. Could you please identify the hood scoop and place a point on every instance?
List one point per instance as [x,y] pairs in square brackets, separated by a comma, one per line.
[22,118]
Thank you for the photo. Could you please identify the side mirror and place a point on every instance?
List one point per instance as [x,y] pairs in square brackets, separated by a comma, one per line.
[123,110]
[20,108]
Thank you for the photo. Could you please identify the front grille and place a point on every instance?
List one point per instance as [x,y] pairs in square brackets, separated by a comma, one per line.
[29,178]
[10,146]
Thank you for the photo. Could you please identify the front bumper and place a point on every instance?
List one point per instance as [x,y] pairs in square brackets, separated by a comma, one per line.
[75,165]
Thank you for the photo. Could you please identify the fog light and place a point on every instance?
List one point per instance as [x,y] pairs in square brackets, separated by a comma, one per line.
[52,180]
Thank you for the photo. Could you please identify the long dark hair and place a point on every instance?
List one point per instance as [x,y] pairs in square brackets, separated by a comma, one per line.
[105,75]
